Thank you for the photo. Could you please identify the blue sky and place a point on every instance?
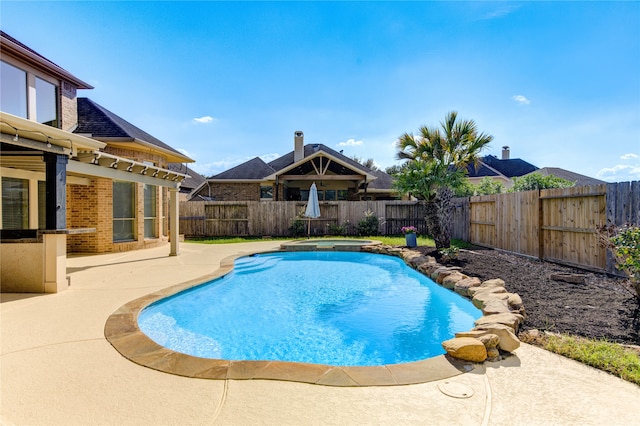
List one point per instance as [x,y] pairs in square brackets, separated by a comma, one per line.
[224,82]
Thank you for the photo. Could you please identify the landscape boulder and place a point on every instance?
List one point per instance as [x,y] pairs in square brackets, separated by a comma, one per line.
[462,287]
[450,280]
[509,319]
[509,342]
[466,348]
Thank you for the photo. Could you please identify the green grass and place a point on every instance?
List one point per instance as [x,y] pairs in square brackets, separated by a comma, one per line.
[232,240]
[601,354]
[391,240]
[396,240]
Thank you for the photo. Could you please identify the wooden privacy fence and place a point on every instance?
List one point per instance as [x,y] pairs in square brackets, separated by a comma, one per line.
[552,224]
[274,218]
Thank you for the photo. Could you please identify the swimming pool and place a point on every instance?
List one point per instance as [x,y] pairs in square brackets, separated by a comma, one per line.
[332,308]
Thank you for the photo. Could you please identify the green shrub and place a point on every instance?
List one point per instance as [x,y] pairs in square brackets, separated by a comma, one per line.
[624,243]
[538,181]
[626,249]
[298,227]
[368,225]
[337,229]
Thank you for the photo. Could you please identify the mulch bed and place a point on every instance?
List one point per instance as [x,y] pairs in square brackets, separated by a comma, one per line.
[600,307]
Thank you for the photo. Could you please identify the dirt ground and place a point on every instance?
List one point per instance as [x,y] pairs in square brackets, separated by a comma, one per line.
[600,307]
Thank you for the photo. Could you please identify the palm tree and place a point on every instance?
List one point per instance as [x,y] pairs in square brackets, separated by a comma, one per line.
[437,162]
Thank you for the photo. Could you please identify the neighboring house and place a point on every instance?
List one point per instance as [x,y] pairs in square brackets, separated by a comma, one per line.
[288,178]
[75,176]
[502,170]
[193,180]
[580,180]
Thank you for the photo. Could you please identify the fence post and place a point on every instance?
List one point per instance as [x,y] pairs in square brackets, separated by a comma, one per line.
[540,225]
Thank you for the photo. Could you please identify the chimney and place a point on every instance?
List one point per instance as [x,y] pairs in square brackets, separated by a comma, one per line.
[298,146]
[505,152]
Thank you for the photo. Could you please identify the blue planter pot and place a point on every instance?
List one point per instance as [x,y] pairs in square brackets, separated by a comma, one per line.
[412,240]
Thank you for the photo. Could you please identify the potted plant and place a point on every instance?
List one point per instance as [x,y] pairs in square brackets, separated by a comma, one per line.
[410,235]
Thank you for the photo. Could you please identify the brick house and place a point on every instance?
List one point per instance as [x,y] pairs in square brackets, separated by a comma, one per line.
[288,178]
[75,176]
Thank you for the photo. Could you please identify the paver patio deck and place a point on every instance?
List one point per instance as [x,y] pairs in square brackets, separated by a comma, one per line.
[57,368]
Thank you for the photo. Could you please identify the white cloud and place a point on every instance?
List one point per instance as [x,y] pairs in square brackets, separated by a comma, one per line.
[204,120]
[184,151]
[350,142]
[501,11]
[521,100]
[619,173]
[629,156]
[269,157]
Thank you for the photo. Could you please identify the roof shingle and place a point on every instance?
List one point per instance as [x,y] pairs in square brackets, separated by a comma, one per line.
[99,122]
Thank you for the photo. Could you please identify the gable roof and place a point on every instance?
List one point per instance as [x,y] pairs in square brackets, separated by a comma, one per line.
[254,169]
[102,124]
[310,149]
[193,181]
[24,53]
[490,165]
[580,180]
[257,169]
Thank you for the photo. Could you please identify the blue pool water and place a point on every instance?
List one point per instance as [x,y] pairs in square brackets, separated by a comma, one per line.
[336,308]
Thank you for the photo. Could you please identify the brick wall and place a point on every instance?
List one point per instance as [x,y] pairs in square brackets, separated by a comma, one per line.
[68,106]
[92,207]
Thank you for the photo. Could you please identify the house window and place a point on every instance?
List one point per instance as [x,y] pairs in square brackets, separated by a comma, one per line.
[304,195]
[124,211]
[266,192]
[13,90]
[15,203]
[46,103]
[343,195]
[330,195]
[14,86]
[150,211]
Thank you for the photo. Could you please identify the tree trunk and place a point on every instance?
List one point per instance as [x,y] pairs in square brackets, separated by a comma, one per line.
[445,217]
[431,218]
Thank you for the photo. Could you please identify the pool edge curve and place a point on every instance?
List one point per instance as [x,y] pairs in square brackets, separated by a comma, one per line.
[123,333]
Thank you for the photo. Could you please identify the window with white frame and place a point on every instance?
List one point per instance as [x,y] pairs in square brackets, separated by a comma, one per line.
[46,103]
[150,211]
[13,90]
[124,211]
[266,192]
[14,86]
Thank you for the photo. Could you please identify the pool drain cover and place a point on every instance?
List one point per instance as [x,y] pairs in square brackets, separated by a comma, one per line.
[455,390]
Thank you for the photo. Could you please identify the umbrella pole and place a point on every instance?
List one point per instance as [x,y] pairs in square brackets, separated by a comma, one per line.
[309,229]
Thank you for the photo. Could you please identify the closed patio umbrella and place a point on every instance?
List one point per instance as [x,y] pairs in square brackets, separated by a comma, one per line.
[313,207]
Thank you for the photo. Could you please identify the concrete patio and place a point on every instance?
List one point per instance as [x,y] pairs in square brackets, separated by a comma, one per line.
[57,368]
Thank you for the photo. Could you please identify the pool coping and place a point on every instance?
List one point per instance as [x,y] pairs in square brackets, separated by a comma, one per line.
[122,331]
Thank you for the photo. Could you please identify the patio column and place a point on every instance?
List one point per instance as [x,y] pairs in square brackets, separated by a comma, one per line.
[54,237]
[56,190]
[174,223]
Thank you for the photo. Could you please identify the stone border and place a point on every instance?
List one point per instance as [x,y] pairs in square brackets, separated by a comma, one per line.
[122,331]
[503,312]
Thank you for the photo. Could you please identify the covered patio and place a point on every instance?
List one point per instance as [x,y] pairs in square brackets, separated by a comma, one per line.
[34,232]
